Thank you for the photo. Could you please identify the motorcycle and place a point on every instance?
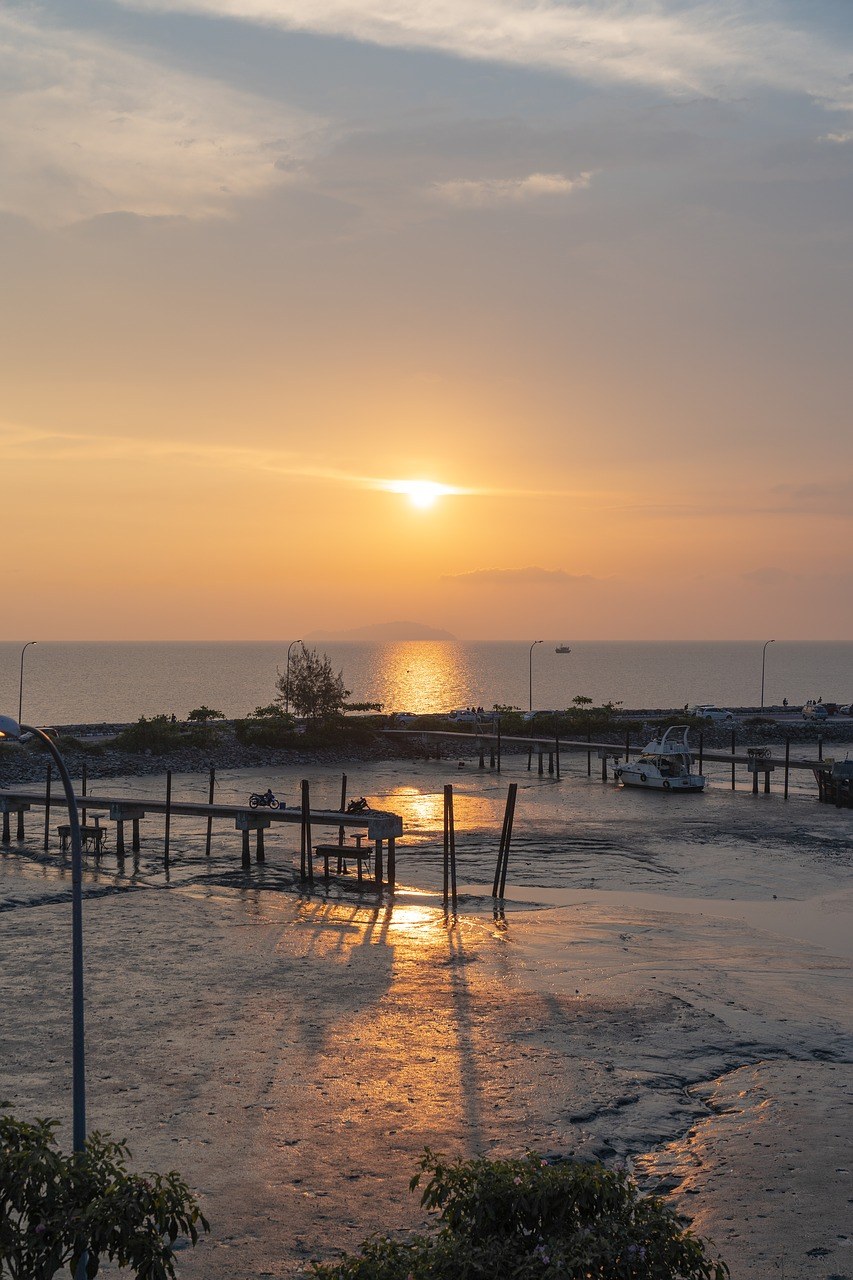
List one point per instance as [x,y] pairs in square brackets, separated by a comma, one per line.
[267,800]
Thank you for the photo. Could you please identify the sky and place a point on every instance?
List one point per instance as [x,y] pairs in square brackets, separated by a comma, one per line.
[586,268]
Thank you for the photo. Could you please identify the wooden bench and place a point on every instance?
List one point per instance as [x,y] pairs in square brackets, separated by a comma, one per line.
[91,837]
[359,852]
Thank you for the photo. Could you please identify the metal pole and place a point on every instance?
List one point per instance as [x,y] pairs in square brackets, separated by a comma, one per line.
[21,685]
[287,678]
[78,1050]
[763,657]
[530,672]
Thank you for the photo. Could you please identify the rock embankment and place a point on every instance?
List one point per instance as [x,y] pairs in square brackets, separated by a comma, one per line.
[94,746]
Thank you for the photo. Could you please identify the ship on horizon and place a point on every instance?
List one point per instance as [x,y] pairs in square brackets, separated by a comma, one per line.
[563,648]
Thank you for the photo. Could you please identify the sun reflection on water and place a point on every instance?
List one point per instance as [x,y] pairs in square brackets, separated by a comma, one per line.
[423,811]
[422,675]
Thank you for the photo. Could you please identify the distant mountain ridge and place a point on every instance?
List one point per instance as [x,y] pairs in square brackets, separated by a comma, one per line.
[385,631]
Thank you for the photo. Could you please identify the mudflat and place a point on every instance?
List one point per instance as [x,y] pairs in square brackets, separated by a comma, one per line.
[292,1054]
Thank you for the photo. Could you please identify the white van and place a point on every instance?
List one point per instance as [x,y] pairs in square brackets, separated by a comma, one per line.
[709,712]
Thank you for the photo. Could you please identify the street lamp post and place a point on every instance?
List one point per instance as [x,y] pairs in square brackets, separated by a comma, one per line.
[287,678]
[530,665]
[21,685]
[763,659]
[14,730]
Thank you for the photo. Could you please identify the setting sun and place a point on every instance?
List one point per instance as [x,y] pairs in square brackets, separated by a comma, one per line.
[421,493]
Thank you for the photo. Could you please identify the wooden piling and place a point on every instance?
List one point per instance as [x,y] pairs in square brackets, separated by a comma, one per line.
[260,855]
[448,791]
[701,749]
[627,745]
[342,829]
[557,752]
[307,852]
[767,782]
[755,778]
[530,756]
[207,838]
[83,793]
[491,753]
[510,814]
[134,839]
[787,763]
[603,765]
[392,862]
[820,746]
[7,830]
[550,762]
[20,830]
[482,763]
[733,759]
[499,744]
[245,858]
[378,868]
[120,838]
[541,769]
[589,755]
[168,816]
[47,804]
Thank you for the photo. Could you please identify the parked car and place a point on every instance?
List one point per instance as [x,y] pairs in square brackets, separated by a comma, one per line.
[466,715]
[815,711]
[716,714]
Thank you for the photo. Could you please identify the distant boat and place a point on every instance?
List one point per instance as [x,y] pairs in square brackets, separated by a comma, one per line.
[563,648]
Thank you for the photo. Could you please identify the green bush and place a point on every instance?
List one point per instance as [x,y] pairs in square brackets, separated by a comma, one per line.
[532,1218]
[53,1207]
[161,734]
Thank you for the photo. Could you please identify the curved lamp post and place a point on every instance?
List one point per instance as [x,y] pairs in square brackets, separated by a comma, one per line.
[15,731]
[287,678]
[763,658]
[530,664]
[21,685]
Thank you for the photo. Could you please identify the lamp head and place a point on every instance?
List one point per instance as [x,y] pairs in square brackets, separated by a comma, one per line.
[10,728]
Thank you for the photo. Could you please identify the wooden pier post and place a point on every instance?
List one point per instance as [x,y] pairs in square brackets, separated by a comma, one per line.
[530,756]
[120,838]
[392,862]
[733,759]
[820,746]
[787,763]
[557,752]
[603,753]
[767,782]
[550,762]
[754,778]
[452,850]
[7,830]
[541,769]
[83,793]
[47,804]
[446,863]
[499,744]
[207,838]
[307,851]
[482,749]
[342,829]
[20,831]
[260,855]
[506,837]
[589,755]
[134,837]
[491,753]
[701,749]
[246,857]
[378,868]
[167,832]
[627,745]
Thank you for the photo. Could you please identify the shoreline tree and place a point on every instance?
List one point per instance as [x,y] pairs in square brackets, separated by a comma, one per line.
[312,688]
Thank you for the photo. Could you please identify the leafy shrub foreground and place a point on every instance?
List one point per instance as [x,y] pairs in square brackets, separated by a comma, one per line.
[533,1218]
[53,1207]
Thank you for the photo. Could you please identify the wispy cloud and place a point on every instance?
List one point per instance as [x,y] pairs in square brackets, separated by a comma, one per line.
[532,575]
[675,46]
[481,192]
[88,127]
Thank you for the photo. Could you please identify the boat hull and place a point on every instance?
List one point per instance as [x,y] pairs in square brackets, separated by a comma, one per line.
[652,781]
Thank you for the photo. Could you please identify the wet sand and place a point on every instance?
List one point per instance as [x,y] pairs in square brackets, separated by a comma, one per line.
[292,1055]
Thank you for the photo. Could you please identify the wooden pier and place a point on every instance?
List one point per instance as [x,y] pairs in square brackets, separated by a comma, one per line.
[759,761]
[381,827]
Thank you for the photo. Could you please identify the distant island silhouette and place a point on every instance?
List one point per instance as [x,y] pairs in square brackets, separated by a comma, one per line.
[385,631]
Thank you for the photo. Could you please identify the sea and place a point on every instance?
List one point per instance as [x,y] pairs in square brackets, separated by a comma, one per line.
[81,682]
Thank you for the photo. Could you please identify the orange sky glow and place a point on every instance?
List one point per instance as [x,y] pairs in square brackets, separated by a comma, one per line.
[329,318]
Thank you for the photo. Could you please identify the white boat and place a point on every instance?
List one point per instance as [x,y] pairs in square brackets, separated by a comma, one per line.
[664,765]
[563,648]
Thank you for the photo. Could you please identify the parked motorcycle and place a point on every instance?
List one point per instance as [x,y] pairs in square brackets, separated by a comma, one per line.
[263,801]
